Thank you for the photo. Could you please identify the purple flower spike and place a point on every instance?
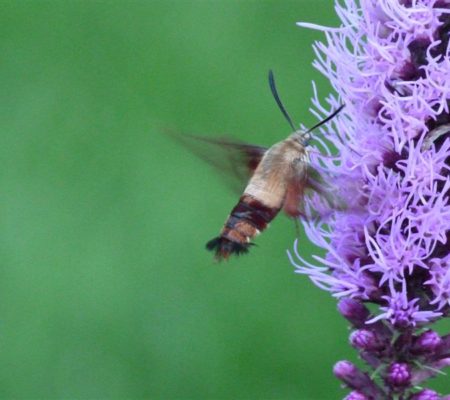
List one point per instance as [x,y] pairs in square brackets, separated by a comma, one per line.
[388,243]
[399,375]
[426,394]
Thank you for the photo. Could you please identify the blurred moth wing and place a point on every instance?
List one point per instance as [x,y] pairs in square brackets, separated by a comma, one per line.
[234,161]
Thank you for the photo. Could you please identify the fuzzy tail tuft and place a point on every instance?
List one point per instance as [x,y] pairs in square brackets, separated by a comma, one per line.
[224,247]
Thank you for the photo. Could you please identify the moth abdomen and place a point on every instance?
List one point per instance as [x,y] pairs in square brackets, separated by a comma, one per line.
[247,219]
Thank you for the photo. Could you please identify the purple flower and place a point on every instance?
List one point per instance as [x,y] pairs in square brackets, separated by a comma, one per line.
[389,245]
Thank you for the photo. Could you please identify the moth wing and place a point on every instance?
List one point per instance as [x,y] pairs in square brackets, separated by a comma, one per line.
[234,160]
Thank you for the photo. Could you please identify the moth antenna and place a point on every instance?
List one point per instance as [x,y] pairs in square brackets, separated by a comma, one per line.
[324,121]
[274,91]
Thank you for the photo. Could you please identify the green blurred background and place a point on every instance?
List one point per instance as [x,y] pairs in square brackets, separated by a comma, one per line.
[106,290]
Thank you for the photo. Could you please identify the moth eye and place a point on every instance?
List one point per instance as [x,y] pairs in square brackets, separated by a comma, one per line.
[305,138]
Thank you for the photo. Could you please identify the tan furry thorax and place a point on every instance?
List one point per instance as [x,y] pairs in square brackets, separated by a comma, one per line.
[281,162]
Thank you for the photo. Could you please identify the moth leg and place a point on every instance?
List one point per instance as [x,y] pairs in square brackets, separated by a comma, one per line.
[297,228]
[433,135]
[295,188]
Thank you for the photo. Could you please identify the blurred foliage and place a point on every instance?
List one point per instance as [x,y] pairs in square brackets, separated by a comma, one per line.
[106,290]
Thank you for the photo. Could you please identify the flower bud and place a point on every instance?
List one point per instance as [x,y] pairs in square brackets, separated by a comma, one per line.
[444,346]
[425,394]
[343,369]
[356,380]
[399,375]
[363,339]
[348,373]
[356,396]
[427,342]
[353,311]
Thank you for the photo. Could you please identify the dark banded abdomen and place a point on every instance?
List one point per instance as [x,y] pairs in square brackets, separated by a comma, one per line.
[248,218]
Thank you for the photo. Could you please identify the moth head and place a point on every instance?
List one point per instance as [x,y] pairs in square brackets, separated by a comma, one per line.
[304,138]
